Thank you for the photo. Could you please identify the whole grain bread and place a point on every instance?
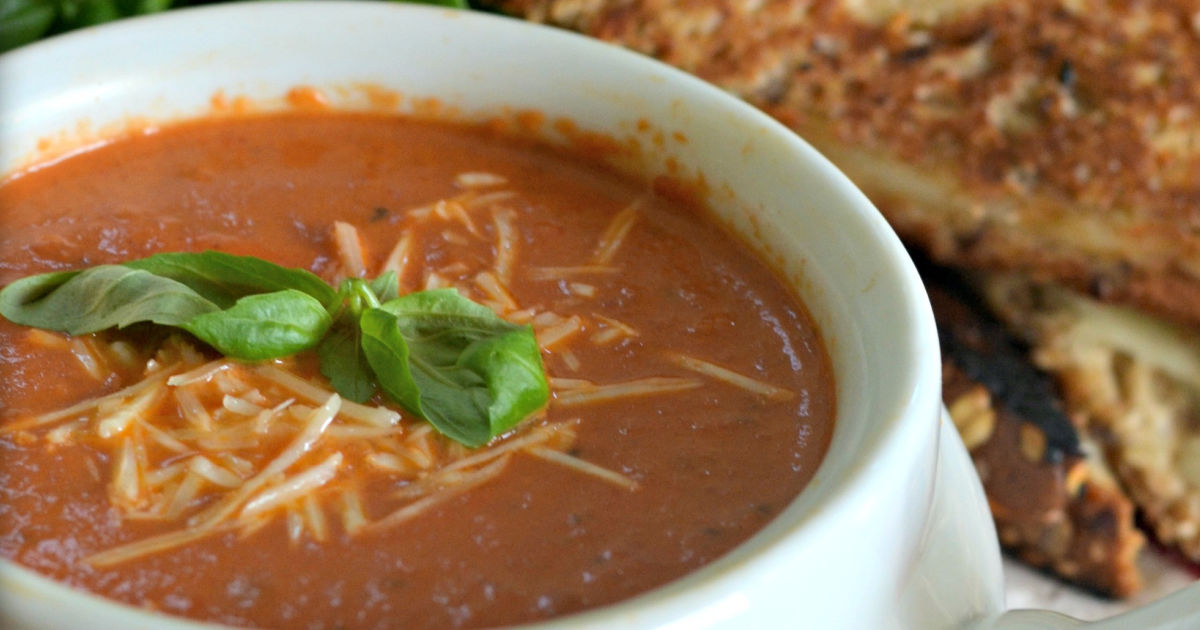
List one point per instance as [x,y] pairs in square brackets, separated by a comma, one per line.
[1136,383]
[1054,503]
[1059,138]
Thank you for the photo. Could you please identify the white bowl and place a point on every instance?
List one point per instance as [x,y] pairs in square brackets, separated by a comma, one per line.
[893,531]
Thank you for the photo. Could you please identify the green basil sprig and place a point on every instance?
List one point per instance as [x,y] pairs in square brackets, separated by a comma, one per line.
[459,363]
[455,363]
[25,21]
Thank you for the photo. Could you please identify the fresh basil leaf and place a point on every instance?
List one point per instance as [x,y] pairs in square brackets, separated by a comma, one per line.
[511,365]
[264,326]
[354,296]
[455,363]
[345,365]
[450,360]
[108,296]
[342,359]
[225,278]
[386,287]
[387,354]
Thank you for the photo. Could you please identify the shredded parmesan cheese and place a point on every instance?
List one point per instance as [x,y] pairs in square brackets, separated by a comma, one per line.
[184,495]
[571,360]
[191,408]
[587,468]
[316,424]
[558,333]
[241,406]
[163,439]
[354,518]
[350,249]
[88,357]
[47,339]
[466,482]
[435,281]
[535,436]
[458,212]
[560,383]
[294,487]
[450,236]
[398,259]
[199,374]
[203,467]
[128,412]
[124,354]
[582,289]
[125,487]
[377,416]
[562,273]
[87,406]
[614,235]
[315,518]
[488,199]
[506,245]
[617,391]
[478,179]
[729,376]
[145,547]
[492,287]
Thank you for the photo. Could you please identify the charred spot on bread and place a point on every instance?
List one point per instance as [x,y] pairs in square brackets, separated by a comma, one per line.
[1054,505]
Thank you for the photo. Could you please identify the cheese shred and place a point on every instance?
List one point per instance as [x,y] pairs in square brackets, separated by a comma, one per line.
[220,447]
[771,392]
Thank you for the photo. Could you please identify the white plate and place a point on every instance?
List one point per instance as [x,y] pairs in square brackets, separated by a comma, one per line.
[1026,588]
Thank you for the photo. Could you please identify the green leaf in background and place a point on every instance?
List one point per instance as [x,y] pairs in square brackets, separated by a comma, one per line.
[75,14]
[24,21]
[108,296]
[455,363]
[141,7]
[225,278]
[264,326]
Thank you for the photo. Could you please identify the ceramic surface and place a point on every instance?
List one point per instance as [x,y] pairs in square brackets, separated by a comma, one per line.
[893,531]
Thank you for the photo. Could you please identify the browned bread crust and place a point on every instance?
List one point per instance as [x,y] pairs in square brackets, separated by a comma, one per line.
[1060,138]
[1136,383]
[1054,507]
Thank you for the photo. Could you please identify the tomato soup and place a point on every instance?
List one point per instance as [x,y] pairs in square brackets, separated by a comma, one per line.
[691,398]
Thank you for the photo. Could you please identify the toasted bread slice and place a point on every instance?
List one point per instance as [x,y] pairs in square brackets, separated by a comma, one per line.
[1136,382]
[1053,501]
[1060,138]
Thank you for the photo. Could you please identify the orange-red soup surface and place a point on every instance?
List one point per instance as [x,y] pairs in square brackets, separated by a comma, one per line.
[723,408]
